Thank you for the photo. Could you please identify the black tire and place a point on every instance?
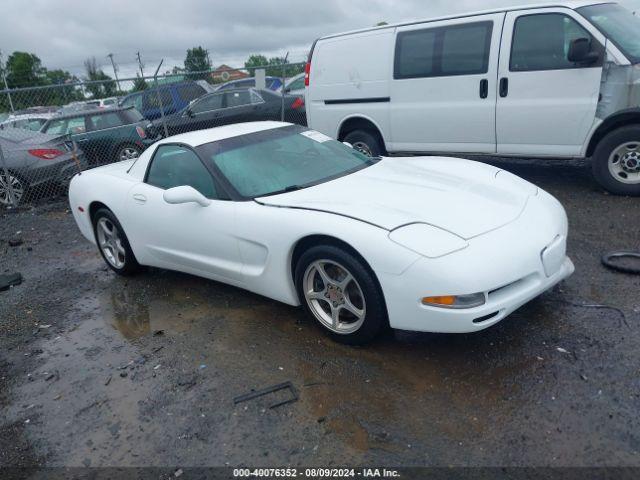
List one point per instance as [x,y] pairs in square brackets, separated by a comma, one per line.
[131,265]
[120,152]
[367,142]
[602,154]
[375,318]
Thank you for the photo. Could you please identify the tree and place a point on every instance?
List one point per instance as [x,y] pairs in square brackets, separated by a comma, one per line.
[197,60]
[255,61]
[381,24]
[139,84]
[24,70]
[94,74]
[66,90]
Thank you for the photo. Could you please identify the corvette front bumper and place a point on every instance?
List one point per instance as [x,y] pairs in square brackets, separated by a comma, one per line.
[510,265]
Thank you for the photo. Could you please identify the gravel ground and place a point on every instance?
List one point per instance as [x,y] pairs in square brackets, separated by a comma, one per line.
[97,370]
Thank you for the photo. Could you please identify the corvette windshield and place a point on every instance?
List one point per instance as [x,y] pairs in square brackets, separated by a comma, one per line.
[282,159]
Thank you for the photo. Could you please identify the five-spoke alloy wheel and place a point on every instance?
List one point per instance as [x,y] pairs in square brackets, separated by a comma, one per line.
[339,290]
[113,243]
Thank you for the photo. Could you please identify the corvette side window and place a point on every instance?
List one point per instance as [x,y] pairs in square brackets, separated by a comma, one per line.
[175,166]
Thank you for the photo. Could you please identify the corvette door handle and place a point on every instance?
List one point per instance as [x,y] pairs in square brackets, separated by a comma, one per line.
[139,198]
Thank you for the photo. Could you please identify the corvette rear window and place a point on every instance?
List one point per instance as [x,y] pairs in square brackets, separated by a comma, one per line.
[282,159]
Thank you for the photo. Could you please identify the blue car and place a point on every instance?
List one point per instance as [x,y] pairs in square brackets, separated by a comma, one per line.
[272,83]
[174,97]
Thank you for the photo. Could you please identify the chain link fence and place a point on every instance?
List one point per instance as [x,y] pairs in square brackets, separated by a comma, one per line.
[48,134]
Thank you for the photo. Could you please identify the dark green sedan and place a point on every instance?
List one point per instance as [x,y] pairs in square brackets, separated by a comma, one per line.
[107,135]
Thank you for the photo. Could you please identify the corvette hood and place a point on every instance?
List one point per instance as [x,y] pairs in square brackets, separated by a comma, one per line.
[461,196]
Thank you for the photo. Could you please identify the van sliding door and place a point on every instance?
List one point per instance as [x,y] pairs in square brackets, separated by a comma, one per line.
[443,93]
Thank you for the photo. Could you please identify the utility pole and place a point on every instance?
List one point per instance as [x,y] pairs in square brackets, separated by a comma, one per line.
[115,70]
[141,64]
[4,79]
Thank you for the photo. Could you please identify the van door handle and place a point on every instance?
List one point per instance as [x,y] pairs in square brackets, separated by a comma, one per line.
[504,87]
[484,88]
[139,198]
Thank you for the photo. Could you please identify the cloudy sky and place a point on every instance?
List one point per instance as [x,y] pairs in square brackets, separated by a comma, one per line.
[65,32]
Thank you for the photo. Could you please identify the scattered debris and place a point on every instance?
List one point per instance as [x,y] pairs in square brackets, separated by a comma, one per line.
[10,280]
[157,349]
[178,472]
[562,350]
[44,326]
[156,367]
[266,391]
[607,261]
[51,376]
[124,374]
[15,241]
[108,380]
[158,333]
[202,367]
[583,377]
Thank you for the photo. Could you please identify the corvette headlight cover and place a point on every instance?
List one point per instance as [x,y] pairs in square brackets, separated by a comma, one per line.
[427,240]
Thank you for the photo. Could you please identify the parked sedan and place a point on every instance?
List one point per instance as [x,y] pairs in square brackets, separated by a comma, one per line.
[271,83]
[33,160]
[106,135]
[27,121]
[418,243]
[234,106]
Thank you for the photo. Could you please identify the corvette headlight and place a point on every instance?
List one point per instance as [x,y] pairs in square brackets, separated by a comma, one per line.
[427,240]
[455,301]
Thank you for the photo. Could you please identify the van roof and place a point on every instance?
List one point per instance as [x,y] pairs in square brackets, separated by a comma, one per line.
[572,4]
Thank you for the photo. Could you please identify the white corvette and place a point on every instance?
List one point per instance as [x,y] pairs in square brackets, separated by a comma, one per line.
[422,243]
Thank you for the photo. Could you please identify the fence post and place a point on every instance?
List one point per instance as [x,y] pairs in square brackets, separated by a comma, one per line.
[284,69]
[7,181]
[155,81]
[4,78]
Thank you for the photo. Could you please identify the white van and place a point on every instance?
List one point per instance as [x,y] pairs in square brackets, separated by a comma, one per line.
[558,81]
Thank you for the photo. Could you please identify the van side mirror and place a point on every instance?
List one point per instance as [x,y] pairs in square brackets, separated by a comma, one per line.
[580,52]
[185,194]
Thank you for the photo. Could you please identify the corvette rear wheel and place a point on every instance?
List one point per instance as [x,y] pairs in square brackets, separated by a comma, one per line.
[341,293]
[113,243]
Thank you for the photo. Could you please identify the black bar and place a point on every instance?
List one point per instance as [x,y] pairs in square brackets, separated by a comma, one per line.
[358,100]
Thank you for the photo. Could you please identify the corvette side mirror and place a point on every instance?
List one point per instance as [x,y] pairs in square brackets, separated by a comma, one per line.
[185,194]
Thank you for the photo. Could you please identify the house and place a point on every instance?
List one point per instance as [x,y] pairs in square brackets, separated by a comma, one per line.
[224,73]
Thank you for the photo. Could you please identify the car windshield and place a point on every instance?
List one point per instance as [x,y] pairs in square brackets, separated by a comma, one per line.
[619,25]
[282,159]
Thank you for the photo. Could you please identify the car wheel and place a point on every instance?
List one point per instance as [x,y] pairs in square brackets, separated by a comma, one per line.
[113,243]
[12,188]
[616,161]
[128,152]
[365,142]
[341,293]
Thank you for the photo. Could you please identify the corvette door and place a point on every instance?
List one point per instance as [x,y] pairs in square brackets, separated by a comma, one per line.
[187,237]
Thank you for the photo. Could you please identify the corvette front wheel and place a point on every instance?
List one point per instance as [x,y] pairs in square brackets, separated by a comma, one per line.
[341,293]
[113,243]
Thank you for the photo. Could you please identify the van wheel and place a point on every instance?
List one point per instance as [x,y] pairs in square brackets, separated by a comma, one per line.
[616,161]
[366,142]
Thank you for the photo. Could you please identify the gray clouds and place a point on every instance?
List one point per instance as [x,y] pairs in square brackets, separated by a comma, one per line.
[65,32]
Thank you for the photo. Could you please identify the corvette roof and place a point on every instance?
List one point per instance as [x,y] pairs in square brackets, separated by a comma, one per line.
[200,137]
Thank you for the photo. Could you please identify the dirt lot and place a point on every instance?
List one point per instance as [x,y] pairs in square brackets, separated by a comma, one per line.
[98,370]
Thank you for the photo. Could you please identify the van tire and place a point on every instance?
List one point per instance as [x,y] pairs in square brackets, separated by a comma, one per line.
[602,161]
[366,142]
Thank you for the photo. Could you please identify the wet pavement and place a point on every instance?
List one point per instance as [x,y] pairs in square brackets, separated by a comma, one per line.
[98,370]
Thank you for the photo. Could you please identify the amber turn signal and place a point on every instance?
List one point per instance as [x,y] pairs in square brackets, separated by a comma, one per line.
[441,300]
